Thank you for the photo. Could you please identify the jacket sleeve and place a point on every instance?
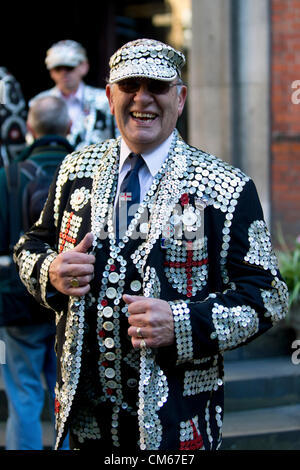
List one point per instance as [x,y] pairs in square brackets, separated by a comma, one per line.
[251,296]
[34,253]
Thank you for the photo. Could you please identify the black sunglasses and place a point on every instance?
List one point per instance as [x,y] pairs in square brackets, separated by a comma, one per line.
[68,68]
[157,87]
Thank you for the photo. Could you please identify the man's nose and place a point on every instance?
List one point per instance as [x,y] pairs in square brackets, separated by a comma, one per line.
[143,93]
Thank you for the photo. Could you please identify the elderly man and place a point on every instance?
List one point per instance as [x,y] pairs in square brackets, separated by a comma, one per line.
[68,64]
[156,258]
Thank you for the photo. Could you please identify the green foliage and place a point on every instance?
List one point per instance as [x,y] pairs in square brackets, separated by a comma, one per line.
[289,264]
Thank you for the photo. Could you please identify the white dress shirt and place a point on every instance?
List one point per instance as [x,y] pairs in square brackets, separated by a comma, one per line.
[75,105]
[153,159]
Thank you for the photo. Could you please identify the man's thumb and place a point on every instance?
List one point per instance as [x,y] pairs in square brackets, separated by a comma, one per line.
[85,243]
[129,299]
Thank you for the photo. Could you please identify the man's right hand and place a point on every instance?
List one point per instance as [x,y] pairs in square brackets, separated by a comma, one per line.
[75,264]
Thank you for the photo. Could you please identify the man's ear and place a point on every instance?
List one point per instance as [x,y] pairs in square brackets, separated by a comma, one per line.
[31,130]
[181,99]
[110,98]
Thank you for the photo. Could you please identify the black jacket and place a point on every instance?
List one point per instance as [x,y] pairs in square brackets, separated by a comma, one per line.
[207,252]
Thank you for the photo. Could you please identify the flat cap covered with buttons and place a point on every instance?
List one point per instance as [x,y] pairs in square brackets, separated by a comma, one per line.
[67,52]
[146,58]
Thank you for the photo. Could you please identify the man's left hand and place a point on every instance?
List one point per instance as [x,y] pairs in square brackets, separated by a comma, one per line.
[151,320]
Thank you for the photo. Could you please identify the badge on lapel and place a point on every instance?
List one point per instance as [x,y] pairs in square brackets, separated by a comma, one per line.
[80,198]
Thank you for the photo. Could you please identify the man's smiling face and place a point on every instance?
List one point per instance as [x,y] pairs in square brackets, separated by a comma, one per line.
[145,117]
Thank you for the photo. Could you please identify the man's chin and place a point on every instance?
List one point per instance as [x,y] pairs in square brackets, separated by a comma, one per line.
[144,143]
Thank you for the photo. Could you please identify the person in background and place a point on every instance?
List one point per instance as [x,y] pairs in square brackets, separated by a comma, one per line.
[92,122]
[168,263]
[26,327]
[13,114]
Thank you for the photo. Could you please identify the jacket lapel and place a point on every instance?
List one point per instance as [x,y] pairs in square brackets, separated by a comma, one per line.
[104,189]
[171,187]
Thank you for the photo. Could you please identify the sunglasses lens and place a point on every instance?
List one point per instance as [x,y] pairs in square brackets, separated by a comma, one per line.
[157,87]
[64,67]
[129,86]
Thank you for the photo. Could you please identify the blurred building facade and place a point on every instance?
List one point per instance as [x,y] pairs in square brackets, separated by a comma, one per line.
[245,96]
[285,112]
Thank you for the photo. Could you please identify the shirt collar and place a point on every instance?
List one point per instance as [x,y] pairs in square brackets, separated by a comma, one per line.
[154,158]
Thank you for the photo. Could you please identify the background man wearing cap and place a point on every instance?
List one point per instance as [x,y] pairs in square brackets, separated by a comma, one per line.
[144,315]
[68,64]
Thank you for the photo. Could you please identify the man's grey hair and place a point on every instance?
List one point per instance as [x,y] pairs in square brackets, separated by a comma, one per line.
[179,85]
[49,115]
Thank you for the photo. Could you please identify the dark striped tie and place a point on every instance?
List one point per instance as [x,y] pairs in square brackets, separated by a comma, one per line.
[129,195]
